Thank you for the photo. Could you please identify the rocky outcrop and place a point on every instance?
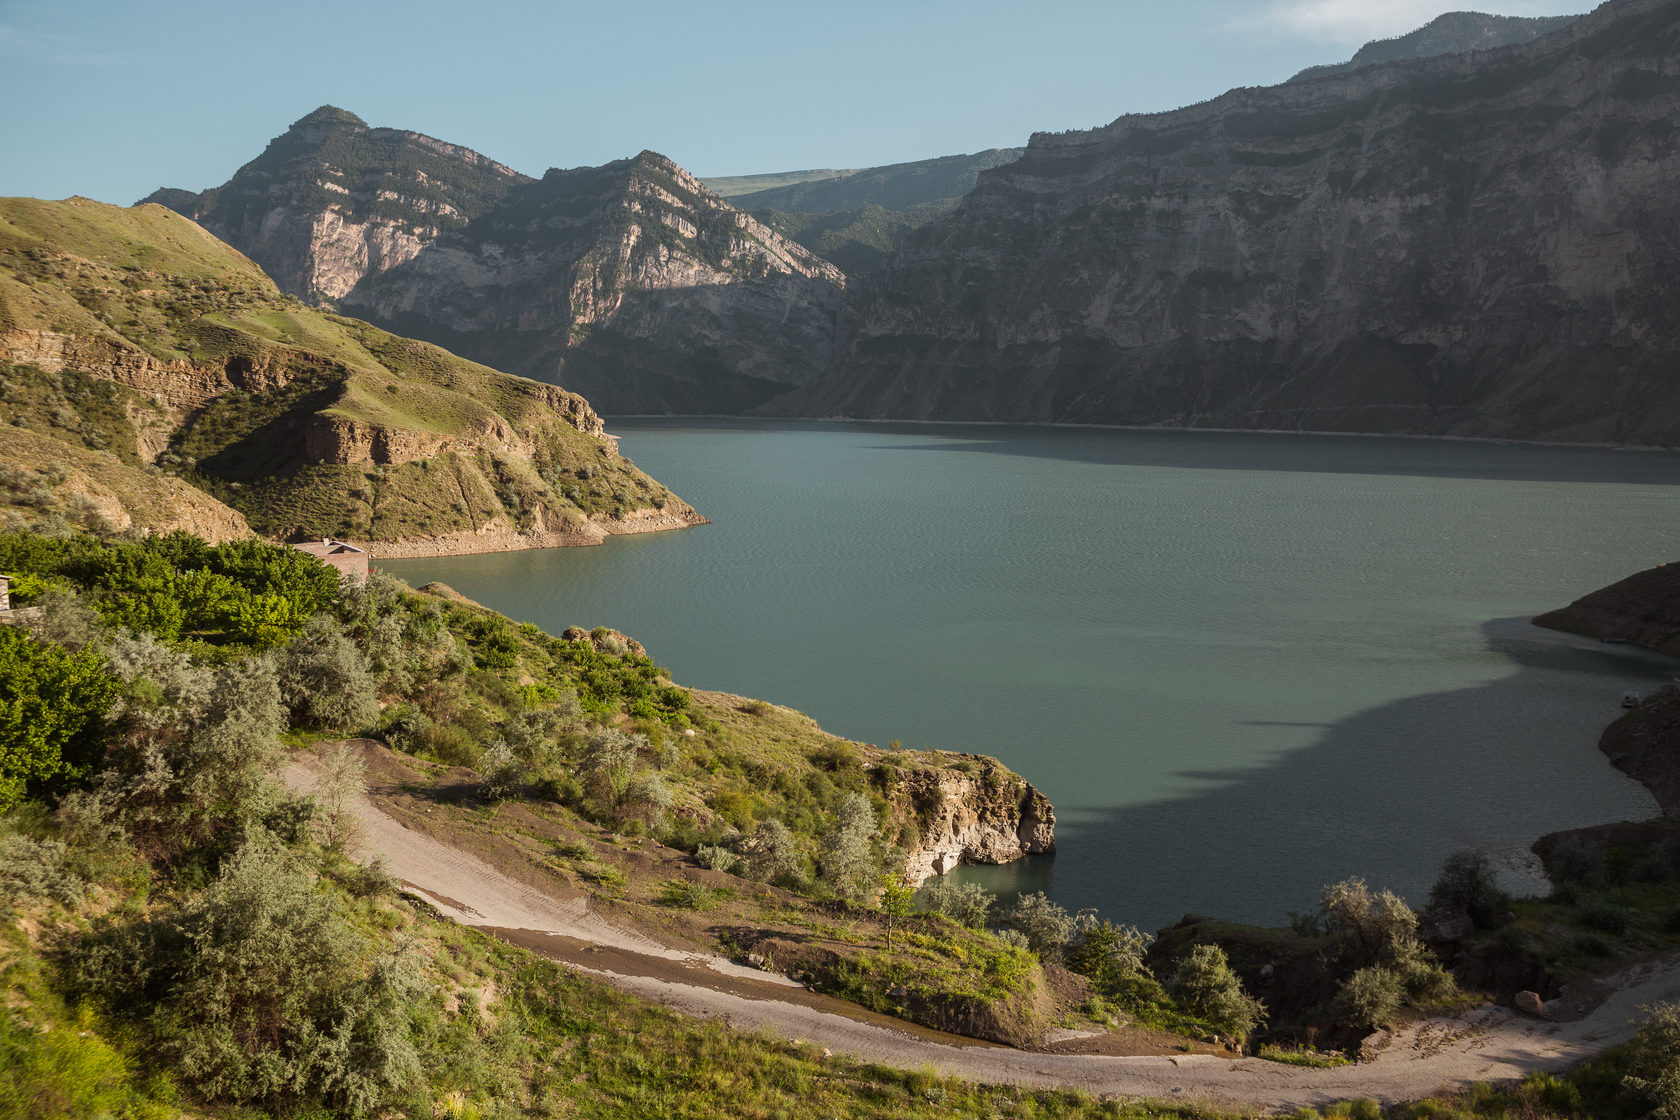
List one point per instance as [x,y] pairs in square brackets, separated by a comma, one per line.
[978,813]
[331,201]
[179,387]
[500,535]
[631,283]
[1643,609]
[1474,245]
[303,422]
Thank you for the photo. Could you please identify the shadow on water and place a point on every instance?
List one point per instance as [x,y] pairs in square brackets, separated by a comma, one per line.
[1499,753]
[1238,451]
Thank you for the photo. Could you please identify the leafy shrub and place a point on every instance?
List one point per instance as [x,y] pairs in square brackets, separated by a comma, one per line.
[609,762]
[847,861]
[770,855]
[1112,956]
[1604,916]
[449,744]
[325,679]
[502,774]
[714,857]
[967,904]
[243,987]
[52,712]
[1204,986]
[683,895]
[1046,924]
[1369,999]
[189,777]
[39,868]
[1654,1061]
[1371,925]
[1466,883]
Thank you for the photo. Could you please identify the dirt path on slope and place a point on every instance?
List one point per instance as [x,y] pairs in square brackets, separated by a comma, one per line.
[1487,1044]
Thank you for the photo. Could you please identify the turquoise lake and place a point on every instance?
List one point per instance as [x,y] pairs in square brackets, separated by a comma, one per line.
[1241,666]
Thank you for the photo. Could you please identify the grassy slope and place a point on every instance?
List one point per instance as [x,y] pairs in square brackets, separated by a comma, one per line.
[145,283]
[734,186]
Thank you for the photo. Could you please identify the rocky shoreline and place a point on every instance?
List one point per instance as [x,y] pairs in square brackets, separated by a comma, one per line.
[493,537]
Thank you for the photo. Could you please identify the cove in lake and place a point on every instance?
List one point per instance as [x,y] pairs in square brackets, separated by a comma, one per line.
[1242,666]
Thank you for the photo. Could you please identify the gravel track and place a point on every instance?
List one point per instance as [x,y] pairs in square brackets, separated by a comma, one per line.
[1486,1044]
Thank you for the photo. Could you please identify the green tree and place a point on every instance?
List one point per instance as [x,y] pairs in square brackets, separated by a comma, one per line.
[847,860]
[325,679]
[1046,924]
[52,712]
[1369,999]
[1204,986]
[770,853]
[896,894]
[967,904]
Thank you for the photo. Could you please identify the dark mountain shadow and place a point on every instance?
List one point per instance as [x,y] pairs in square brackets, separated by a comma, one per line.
[1270,451]
[1510,760]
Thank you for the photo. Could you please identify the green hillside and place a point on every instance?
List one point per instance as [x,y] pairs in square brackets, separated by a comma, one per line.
[303,421]
[734,186]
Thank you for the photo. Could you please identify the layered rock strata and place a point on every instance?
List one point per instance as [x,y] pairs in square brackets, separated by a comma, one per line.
[631,283]
[1477,245]
[981,815]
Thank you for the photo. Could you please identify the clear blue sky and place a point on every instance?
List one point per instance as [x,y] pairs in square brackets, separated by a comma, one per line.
[113,99]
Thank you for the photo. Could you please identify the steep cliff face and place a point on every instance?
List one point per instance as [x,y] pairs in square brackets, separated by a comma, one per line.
[1476,245]
[332,201]
[981,814]
[630,283]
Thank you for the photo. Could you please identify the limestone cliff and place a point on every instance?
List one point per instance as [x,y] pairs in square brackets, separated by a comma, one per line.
[1476,244]
[974,812]
[630,283]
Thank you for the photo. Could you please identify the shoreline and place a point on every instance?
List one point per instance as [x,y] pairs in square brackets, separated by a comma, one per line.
[492,538]
[1056,426]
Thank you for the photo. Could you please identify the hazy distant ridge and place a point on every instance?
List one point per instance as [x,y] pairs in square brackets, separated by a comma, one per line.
[1447,34]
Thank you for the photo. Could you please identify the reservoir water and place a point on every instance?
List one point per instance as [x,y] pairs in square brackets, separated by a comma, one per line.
[1241,666]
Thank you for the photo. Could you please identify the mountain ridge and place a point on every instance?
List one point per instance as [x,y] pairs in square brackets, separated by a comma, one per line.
[1462,245]
[630,282]
[181,389]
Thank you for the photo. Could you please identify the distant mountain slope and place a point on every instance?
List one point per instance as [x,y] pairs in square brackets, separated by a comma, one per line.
[733,186]
[155,377]
[897,186]
[1474,244]
[857,219]
[1447,34]
[631,283]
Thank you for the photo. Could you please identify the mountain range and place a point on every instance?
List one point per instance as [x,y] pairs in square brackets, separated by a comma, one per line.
[1475,243]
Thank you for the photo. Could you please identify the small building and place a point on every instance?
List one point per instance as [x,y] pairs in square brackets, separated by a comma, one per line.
[5,593]
[351,562]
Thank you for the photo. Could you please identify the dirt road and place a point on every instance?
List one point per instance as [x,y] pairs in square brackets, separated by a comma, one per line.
[1487,1044]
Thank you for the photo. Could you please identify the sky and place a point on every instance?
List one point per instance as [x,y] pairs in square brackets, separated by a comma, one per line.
[112,100]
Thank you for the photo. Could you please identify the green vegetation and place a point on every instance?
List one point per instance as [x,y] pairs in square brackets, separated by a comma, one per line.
[858,241]
[182,934]
[185,361]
